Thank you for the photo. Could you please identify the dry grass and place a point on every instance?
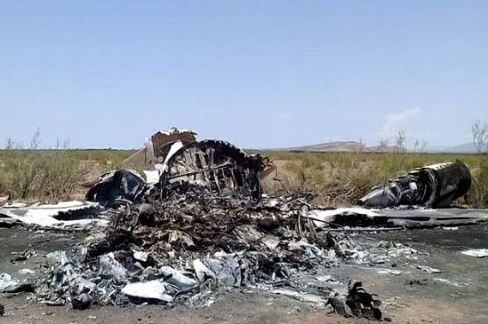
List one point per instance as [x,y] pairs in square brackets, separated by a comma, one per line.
[51,175]
[341,178]
[337,178]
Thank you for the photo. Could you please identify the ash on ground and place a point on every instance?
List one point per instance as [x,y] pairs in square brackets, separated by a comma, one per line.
[192,247]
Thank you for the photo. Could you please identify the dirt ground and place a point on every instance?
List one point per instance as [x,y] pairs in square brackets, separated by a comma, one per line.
[459,294]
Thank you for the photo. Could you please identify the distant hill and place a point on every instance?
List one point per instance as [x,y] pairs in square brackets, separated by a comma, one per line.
[379,148]
[462,148]
[352,146]
[341,146]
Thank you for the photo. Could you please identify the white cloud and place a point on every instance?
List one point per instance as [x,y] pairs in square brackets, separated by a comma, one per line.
[400,121]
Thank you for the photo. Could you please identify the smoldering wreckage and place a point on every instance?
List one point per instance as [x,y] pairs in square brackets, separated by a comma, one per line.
[197,224]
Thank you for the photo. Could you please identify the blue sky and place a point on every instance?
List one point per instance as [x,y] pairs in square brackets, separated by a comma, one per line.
[257,73]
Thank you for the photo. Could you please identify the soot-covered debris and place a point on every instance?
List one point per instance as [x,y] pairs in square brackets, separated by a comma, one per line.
[435,185]
[357,303]
[190,248]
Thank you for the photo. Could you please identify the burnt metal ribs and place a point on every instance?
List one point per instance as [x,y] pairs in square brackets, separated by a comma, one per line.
[214,166]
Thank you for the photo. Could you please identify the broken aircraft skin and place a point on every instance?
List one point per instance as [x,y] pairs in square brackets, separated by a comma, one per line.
[216,166]
[434,186]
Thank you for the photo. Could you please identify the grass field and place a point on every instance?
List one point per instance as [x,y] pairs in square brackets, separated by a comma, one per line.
[340,178]
[337,178]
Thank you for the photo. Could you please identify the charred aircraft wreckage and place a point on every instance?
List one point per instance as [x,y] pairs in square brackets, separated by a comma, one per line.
[196,224]
[180,163]
[434,186]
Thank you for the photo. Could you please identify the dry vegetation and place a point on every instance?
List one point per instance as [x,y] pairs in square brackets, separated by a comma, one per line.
[51,175]
[340,178]
[337,178]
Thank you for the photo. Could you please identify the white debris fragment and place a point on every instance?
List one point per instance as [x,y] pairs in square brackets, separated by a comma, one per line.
[478,253]
[45,215]
[152,176]
[449,282]
[451,228]
[178,279]
[302,296]
[324,278]
[6,281]
[271,242]
[26,272]
[141,256]
[154,289]
[108,264]
[428,269]
[58,256]
[390,271]
[202,271]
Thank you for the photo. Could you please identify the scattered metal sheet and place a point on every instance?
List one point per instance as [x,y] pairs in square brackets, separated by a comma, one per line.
[435,185]
[478,253]
[67,214]
[6,282]
[301,295]
[450,282]
[155,289]
[428,269]
[396,217]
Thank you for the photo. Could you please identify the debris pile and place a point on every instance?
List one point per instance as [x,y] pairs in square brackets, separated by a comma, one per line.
[169,249]
[191,247]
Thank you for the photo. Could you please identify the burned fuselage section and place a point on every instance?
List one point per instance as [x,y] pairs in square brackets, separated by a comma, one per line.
[215,167]
[435,185]
[209,166]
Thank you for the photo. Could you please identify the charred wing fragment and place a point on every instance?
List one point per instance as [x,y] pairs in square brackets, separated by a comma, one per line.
[214,166]
[431,186]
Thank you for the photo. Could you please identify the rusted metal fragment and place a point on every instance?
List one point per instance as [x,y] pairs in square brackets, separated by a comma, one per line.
[162,142]
[216,167]
[435,185]
[157,147]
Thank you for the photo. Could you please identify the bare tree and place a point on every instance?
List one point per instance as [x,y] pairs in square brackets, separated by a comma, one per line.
[35,143]
[383,144]
[400,141]
[10,143]
[420,145]
[480,136]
